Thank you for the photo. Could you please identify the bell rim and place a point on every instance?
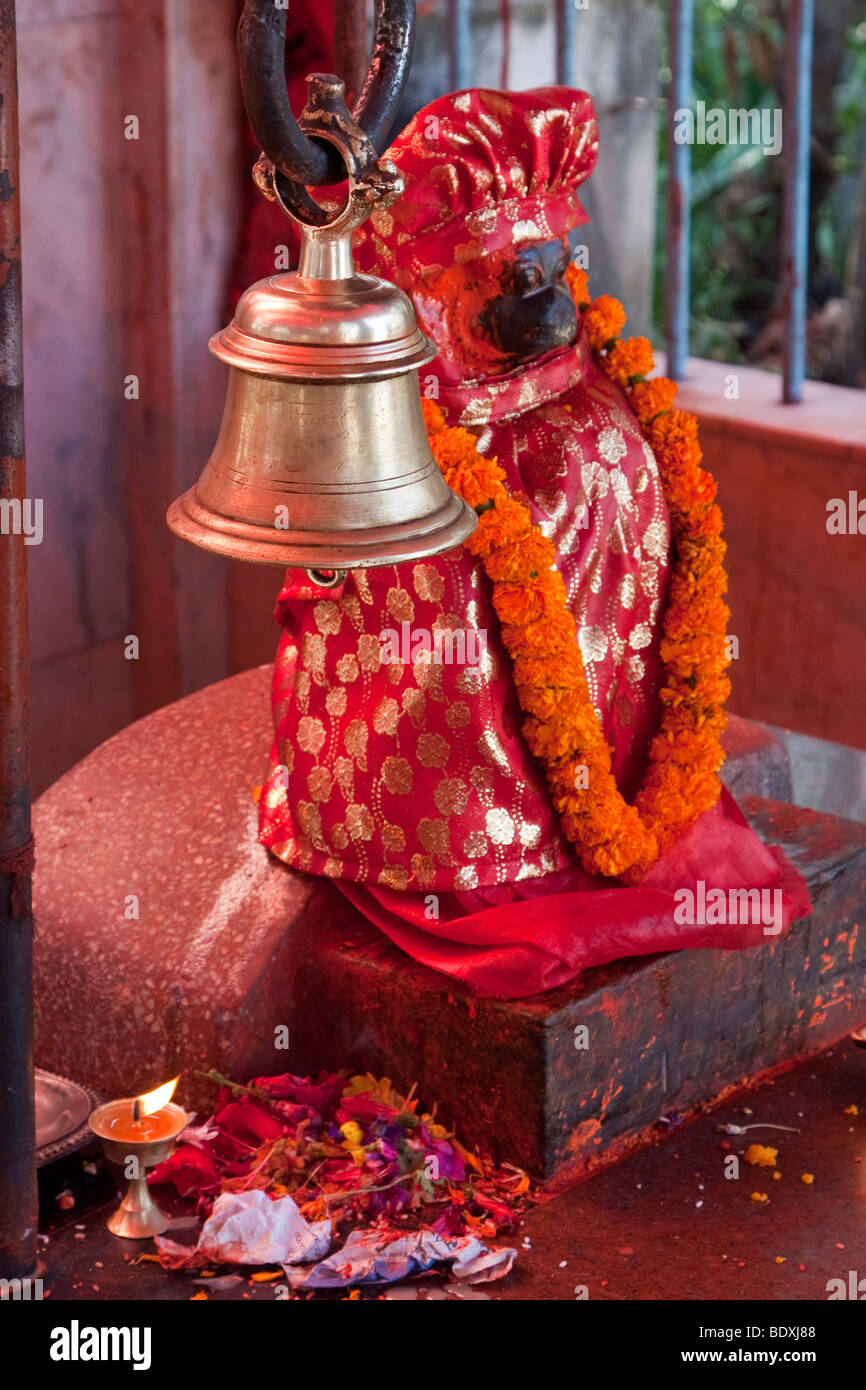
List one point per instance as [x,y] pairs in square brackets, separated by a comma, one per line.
[445,529]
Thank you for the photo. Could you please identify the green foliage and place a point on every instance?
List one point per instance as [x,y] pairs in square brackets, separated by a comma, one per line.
[736,190]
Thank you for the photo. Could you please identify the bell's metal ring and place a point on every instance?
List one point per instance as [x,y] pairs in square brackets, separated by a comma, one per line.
[326,579]
[371,179]
[326,230]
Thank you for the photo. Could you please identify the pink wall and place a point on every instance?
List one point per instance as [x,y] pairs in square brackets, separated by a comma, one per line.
[797,593]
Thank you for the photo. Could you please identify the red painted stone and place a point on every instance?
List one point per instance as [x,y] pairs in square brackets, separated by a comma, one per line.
[230,944]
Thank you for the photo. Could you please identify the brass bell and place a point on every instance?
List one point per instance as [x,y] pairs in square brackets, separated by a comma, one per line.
[322,460]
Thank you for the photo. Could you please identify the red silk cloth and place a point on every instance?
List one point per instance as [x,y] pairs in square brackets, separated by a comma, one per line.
[409,777]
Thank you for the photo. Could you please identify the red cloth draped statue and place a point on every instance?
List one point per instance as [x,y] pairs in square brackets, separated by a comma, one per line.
[407,779]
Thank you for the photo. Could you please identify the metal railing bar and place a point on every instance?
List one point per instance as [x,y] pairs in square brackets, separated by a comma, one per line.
[795,221]
[678,234]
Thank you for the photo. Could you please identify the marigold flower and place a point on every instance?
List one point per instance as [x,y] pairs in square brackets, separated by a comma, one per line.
[522,559]
[603,320]
[578,284]
[761,1157]
[630,357]
[434,420]
[651,398]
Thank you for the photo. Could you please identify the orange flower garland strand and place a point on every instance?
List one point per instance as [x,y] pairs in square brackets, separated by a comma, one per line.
[539,633]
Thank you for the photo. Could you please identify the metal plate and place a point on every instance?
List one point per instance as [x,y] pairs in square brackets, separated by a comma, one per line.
[62,1109]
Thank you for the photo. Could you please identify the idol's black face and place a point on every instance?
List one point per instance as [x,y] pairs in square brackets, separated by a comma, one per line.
[534,311]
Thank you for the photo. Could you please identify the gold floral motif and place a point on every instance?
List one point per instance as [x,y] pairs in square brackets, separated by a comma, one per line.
[399,604]
[339,836]
[429,677]
[429,584]
[611,445]
[621,489]
[626,592]
[385,716]
[369,652]
[397,775]
[594,481]
[593,644]
[432,750]
[423,869]
[655,540]
[482,780]
[328,617]
[548,860]
[433,835]
[362,585]
[635,669]
[495,129]
[625,710]
[414,704]
[347,668]
[356,737]
[530,835]
[640,637]
[319,784]
[457,715]
[311,735]
[475,845]
[528,871]
[466,878]
[393,838]
[344,771]
[333,867]
[594,573]
[469,681]
[313,653]
[310,821]
[335,701]
[359,821]
[382,220]
[451,796]
[499,826]
[394,876]
[649,577]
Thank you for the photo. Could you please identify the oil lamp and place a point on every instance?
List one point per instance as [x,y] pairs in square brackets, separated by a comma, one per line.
[137,1133]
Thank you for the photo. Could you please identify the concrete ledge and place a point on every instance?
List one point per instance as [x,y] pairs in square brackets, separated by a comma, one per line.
[831,420]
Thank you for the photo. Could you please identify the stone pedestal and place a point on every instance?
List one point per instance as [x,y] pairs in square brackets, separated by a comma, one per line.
[169,939]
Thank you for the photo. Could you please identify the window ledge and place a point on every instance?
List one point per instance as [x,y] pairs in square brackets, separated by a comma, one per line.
[831,418]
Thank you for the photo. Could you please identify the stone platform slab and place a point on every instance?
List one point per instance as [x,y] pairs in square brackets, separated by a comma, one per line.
[228,946]
[667,1034]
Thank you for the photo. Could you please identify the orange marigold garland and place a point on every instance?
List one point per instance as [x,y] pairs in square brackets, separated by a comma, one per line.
[539,633]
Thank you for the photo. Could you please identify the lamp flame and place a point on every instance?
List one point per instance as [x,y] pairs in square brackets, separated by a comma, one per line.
[154,1100]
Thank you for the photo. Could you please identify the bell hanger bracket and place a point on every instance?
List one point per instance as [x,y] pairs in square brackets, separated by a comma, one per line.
[296,152]
[326,228]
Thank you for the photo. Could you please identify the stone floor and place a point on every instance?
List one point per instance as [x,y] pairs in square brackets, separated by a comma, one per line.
[664,1224]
